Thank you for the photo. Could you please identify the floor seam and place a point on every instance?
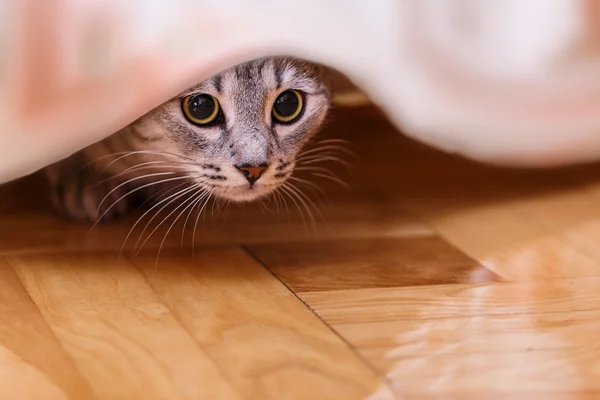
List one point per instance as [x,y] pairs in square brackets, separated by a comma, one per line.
[381,374]
[226,377]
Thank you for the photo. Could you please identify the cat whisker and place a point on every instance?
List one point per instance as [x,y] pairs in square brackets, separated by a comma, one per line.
[268,204]
[272,199]
[310,167]
[321,159]
[152,153]
[114,203]
[286,197]
[158,163]
[160,181]
[137,178]
[322,151]
[160,193]
[175,195]
[306,201]
[324,156]
[190,203]
[195,204]
[173,199]
[326,150]
[314,188]
[286,189]
[340,158]
[331,178]
[172,163]
[284,203]
[221,205]
[261,204]
[212,207]
[334,140]
[124,154]
[317,209]
[324,173]
[276,202]
[196,223]
[186,176]
[319,149]
[226,209]
[138,168]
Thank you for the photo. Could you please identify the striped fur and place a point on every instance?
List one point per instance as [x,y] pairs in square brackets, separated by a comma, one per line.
[106,179]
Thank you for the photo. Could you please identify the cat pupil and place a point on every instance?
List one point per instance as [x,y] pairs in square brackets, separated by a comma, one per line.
[286,104]
[201,106]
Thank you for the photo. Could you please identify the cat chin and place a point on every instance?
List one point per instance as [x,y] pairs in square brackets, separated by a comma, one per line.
[244,194]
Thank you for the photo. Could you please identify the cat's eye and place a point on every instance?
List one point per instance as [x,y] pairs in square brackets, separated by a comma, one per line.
[201,109]
[288,107]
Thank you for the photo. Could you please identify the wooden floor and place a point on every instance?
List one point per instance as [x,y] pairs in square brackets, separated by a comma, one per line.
[432,278]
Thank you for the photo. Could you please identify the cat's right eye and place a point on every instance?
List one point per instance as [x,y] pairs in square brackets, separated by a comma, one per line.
[201,109]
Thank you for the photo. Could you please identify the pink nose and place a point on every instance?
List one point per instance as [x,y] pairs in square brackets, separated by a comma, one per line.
[253,173]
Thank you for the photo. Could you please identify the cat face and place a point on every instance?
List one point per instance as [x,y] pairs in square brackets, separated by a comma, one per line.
[244,127]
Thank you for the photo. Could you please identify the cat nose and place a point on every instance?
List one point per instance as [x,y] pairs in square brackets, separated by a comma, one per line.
[251,172]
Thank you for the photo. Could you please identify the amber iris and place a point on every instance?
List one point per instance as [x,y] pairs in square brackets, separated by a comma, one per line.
[201,109]
[288,107]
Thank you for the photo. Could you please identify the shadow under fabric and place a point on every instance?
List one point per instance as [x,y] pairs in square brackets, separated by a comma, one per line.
[501,81]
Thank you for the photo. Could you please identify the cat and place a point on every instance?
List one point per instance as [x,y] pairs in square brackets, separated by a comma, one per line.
[235,136]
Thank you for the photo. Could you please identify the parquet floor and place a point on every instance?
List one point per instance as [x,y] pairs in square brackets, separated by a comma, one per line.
[433,277]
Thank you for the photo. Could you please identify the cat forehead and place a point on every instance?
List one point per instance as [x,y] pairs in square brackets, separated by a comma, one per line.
[263,75]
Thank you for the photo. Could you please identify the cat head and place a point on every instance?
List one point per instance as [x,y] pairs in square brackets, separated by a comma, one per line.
[241,130]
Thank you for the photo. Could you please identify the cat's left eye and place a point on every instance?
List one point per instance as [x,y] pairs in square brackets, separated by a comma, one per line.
[201,109]
[288,107]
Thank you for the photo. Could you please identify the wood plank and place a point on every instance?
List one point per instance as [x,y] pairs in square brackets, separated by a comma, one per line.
[522,225]
[543,353]
[508,340]
[122,338]
[572,215]
[369,263]
[270,345]
[34,365]
[390,341]
[513,243]
[446,301]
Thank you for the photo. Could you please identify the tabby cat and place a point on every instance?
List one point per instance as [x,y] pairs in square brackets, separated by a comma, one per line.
[235,136]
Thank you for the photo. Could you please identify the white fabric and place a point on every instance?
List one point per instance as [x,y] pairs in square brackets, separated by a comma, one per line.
[503,81]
